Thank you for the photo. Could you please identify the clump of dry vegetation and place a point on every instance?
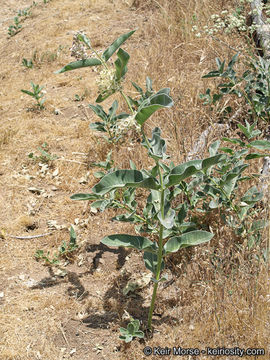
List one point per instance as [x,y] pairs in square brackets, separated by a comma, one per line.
[218,294]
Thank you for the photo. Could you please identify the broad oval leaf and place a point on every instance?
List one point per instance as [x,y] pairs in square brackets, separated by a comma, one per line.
[129,241]
[255,156]
[122,178]
[230,179]
[115,45]
[164,91]
[213,148]
[121,63]
[150,261]
[84,197]
[260,144]
[188,239]
[98,110]
[152,104]
[213,160]
[79,64]
[98,126]
[252,196]
[189,168]
[183,171]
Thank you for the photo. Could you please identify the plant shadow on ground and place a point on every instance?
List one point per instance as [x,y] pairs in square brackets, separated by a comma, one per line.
[114,302]
[101,249]
[77,289]
[115,305]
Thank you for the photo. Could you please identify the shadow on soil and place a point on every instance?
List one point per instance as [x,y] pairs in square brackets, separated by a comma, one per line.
[114,302]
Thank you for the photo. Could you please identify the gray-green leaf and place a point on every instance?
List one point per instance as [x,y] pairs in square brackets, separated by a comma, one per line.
[129,241]
[122,178]
[188,239]
[79,64]
[152,104]
[115,45]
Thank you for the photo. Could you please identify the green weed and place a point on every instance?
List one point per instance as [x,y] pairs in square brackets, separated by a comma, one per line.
[65,251]
[36,94]
[44,157]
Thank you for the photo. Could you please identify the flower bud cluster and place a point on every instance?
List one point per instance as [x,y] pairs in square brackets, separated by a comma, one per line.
[122,126]
[78,49]
[107,82]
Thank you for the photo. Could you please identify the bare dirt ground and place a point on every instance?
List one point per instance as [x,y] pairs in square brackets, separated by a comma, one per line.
[75,311]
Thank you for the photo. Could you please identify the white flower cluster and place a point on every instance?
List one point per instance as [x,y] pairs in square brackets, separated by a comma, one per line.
[78,49]
[107,82]
[122,126]
[228,23]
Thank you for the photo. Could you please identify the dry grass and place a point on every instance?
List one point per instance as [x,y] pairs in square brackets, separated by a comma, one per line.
[220,294]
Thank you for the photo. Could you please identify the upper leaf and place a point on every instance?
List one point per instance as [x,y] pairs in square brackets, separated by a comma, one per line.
[121,63]
[122,178]
[28,92]
[98,110]
[152,104]
[189,168]
[158,145]
[79,64]
[115,45]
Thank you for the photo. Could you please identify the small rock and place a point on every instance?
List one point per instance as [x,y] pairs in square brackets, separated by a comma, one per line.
[72,352]
[31,283]
[93,210]
[55,173]
[35,190]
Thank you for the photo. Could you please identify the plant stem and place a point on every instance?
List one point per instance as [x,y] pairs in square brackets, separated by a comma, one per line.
[96,53]
[130,210]
[127,101]
[160,240]
[160,249]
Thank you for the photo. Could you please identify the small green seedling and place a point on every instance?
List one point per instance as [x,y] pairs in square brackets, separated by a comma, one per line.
[45,156]
[65,250]
[40,255]
[14,28]
[131,331]
[27,63]
[36,94]
[24,13]
[107,165]
[78,97]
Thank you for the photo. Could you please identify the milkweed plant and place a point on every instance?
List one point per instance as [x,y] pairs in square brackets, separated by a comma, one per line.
[162,217]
